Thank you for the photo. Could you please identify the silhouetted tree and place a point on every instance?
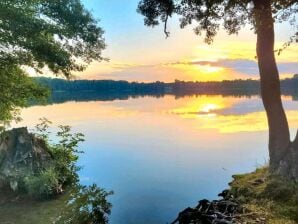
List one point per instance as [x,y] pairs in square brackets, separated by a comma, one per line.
[209,15]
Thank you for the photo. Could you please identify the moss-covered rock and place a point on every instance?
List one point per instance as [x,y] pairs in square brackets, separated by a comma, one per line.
[21,155]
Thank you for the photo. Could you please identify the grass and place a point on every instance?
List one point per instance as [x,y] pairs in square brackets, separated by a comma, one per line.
[271,197]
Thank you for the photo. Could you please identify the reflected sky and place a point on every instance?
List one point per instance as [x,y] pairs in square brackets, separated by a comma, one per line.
[161,155]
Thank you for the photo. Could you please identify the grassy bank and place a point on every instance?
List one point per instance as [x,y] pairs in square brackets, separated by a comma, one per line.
[269,197]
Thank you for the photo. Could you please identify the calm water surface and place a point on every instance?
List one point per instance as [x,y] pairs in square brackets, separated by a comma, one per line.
[160,155]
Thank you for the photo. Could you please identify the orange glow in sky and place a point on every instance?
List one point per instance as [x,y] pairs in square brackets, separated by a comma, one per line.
[239,54]
[139,53]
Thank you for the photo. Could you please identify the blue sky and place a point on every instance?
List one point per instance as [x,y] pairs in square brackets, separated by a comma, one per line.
[139,53]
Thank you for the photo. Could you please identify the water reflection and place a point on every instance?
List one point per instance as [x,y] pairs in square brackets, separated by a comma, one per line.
[160,155]
[231,115]
[203,105]
[79,204]
[223,113]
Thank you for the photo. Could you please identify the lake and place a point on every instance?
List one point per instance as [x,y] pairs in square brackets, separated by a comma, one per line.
[160,155]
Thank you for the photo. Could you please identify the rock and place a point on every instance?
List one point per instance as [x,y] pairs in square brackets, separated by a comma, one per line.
[225,194]
[21,154]
[223,211]
[13,185]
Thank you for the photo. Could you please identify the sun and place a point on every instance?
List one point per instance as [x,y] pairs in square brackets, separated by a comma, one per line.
[207,69]
[209,107]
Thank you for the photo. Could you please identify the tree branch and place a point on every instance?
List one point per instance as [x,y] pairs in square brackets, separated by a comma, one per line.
[167,33]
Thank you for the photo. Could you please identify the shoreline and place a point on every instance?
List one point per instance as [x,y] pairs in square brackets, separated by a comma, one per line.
[256,197]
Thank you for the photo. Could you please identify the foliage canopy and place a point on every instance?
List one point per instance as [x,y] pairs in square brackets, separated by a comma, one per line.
[17,88]
[52,33]
[210,15]
[55,35]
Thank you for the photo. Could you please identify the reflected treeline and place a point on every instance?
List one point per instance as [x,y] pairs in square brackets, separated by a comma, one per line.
[108,90]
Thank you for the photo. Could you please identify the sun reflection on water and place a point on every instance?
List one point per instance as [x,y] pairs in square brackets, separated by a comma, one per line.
[201,106]
[228,114]
[214,113]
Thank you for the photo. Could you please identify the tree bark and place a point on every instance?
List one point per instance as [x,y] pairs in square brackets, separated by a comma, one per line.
[279,134]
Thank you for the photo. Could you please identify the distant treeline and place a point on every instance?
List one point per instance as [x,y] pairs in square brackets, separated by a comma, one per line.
[82,90]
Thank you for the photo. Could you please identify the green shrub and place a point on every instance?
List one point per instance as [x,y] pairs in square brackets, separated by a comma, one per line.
[65,152]
[43,185]
[61,172]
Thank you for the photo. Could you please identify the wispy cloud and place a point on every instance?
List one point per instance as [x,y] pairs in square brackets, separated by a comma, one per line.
[244,66]
[190,70]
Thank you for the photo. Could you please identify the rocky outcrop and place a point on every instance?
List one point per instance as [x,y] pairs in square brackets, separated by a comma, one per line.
[21,154]
[224,211]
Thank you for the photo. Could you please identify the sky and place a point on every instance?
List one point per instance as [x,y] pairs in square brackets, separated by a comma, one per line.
[143,54]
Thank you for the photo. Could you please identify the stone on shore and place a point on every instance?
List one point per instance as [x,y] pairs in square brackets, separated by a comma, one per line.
[21,154]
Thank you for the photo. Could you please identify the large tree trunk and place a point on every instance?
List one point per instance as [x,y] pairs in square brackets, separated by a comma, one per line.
[282,152]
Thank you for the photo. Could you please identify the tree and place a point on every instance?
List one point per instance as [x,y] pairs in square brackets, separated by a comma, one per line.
[52,33]
[209,15]
[59,35]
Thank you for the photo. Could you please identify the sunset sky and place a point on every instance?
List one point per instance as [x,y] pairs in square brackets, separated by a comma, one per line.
[139,53]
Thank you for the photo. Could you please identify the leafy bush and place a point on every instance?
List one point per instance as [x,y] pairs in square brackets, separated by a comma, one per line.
[65,155]
[61,171]
[65,152]
[43,185]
